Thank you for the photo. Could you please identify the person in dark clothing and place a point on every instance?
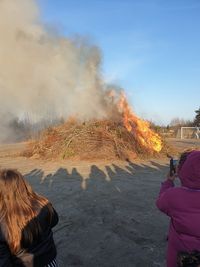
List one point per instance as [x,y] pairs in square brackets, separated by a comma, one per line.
[26,222]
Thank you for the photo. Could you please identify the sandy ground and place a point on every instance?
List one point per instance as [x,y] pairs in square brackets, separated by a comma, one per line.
[107,210]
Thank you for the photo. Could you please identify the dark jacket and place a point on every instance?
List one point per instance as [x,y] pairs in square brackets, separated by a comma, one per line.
[37,254]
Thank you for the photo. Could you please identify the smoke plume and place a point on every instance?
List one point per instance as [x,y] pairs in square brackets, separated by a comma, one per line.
[43,75]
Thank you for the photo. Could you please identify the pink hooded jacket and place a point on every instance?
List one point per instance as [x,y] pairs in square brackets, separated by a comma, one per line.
[182,205]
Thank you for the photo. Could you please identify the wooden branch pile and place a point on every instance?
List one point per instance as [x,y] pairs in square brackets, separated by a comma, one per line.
[103,139]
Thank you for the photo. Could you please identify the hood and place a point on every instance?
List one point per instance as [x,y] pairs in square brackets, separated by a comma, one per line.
[189,173]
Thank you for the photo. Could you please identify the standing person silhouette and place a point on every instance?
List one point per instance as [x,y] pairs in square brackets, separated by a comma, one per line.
[182,205]
[26,221]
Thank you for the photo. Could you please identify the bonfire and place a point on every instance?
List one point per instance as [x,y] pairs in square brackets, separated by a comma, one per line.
[125,137]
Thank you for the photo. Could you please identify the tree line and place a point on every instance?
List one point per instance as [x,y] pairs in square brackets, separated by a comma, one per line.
[173,128]
[177,122]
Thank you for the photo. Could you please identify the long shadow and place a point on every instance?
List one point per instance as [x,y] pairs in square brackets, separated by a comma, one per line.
[108,218]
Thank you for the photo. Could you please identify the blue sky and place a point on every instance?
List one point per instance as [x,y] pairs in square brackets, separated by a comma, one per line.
[151,48]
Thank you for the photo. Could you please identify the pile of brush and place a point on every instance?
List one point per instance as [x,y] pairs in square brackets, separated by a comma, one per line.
[96,139]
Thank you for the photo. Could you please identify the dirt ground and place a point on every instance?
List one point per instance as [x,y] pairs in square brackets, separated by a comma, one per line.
[107,210]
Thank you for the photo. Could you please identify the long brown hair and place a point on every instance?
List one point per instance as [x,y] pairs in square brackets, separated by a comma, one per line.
[19,207]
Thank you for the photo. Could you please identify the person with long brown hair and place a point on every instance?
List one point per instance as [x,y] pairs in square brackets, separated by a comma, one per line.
[26,221]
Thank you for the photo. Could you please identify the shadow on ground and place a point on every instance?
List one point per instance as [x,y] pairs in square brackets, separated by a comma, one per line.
[108,218]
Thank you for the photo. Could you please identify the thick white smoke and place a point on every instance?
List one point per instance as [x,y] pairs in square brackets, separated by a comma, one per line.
[45,75]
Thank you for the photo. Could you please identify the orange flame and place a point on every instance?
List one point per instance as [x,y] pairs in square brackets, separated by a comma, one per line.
[140,128]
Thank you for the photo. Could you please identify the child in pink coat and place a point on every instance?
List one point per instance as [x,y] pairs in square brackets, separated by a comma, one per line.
[182,205]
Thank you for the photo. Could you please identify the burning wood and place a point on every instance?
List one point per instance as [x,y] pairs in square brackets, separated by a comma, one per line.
[138,127]
[124,138]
